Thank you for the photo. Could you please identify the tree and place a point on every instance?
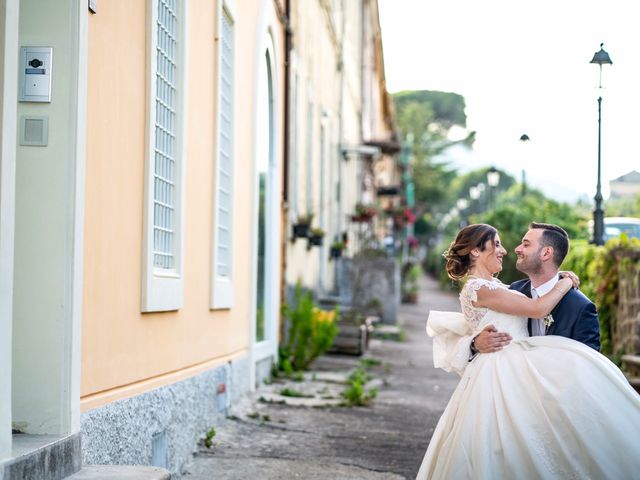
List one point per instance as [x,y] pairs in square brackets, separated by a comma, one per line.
[424,120]
[512,217]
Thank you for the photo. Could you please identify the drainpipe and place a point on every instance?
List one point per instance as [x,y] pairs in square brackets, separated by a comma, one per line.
[341,124]
[288,45]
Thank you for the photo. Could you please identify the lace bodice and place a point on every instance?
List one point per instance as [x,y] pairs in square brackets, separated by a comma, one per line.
[479,317]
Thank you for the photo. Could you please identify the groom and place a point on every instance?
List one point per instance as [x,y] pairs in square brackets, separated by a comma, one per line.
[540,255]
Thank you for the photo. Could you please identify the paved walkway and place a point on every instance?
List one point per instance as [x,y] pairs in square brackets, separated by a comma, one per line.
[387,440]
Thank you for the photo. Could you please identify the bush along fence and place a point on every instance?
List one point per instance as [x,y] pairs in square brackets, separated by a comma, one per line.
[610,276]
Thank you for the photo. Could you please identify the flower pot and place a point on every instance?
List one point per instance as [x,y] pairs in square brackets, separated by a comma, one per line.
[361,218]
[335,252]
[316,240]
[301,230]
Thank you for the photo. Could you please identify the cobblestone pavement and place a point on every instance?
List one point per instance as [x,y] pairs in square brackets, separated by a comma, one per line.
[312,439]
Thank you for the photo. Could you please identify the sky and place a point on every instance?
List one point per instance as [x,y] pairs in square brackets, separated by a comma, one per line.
[523,68]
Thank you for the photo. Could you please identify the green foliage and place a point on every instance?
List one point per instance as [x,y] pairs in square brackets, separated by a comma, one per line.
[208,439]
[355,394]
[367,363]
[581,261]
[461,184]
[424,120]
[512,216]
[290,392]
[311,332]
[623,207]
[600,269]
[447,107]
[411,273]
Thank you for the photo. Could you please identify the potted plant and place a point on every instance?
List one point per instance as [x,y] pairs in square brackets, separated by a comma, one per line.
[364,212]
[301,226]
[335,250]
[316,236]
[410,276]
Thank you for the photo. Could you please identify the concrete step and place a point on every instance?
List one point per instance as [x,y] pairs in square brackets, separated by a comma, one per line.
[42,457]
[120,472]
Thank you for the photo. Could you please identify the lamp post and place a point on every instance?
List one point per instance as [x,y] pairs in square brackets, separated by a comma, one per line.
[462,205]
[600,58]
[493,179]
[524,138]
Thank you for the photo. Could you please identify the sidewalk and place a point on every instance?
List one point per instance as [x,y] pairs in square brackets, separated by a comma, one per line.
[267,439]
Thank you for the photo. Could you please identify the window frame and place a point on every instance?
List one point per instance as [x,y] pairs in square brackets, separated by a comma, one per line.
[163,289]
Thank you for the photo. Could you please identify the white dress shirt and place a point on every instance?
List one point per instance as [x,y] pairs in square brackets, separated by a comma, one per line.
[537,324]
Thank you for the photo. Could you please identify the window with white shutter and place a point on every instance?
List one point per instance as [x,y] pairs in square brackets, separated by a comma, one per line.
[162,262]
[222,285]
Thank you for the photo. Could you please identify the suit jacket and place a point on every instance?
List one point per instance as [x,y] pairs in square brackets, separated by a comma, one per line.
[575,316]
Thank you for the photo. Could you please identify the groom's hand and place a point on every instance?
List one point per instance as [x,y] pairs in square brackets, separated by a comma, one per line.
[491,340]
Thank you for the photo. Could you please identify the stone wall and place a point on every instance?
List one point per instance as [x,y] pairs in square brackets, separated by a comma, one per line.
[375,285]
[626,333]
[161,427]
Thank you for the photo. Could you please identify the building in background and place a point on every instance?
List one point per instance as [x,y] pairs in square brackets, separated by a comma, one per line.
[342,144]
[627,185]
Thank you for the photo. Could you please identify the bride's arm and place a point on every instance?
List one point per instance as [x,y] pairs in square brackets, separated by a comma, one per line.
[508,301]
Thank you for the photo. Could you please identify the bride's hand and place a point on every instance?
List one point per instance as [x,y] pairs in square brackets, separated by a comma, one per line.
[571,276]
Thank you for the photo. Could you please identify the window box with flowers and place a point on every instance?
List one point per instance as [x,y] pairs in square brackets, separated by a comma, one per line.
[302,226]
[402,216]
[316,237]
[364,213]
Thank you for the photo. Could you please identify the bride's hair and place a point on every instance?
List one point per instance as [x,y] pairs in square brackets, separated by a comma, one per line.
[458,256]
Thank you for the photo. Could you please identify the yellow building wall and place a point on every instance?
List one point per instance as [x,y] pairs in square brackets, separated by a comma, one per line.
[123,350]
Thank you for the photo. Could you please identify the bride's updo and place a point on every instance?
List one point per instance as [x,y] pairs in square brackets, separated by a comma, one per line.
[458,256]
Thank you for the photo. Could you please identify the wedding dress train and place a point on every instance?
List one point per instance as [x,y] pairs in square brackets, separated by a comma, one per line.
[544,407]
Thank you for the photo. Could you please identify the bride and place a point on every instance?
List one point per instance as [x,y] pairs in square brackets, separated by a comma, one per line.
[544,407]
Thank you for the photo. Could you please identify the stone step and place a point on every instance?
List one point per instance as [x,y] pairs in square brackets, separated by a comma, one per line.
[120,472]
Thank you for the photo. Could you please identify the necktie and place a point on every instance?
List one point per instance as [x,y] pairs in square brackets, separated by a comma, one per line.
[537,324]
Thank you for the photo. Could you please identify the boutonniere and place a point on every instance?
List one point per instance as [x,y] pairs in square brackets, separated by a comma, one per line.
[548,320]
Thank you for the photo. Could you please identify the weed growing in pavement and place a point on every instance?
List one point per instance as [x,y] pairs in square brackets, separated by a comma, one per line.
[367,363]
[209,437]
[355,394]
[290,392]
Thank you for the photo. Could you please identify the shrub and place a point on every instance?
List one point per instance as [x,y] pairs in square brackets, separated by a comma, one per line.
[599,269]
[311,332]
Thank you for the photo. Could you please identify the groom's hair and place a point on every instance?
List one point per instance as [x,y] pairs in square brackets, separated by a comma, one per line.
[555,237]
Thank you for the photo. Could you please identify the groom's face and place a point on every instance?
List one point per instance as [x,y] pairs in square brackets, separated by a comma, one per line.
[528,252]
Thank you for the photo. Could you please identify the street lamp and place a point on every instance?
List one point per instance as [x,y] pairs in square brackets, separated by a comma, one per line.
[493,179]
[524,138]
[600,58]
[462,205]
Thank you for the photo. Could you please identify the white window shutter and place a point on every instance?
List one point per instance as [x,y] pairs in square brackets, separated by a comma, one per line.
[222,285]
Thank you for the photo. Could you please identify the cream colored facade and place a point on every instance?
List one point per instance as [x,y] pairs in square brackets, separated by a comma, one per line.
[98,338]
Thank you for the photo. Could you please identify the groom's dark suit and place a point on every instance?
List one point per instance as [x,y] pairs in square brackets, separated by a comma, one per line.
[574,317]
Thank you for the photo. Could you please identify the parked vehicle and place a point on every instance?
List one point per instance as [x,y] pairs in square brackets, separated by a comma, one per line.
[615,226]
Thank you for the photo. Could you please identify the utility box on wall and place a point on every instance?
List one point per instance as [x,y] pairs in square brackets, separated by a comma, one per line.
[35,74]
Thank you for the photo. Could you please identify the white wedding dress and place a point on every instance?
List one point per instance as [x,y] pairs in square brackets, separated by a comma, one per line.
[541,408]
